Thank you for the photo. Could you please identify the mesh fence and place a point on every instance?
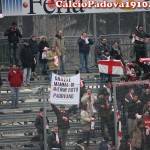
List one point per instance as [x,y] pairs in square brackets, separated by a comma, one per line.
[133,105]
[74,25]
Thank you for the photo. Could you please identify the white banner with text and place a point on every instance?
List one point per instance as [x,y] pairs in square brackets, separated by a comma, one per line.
[65,90]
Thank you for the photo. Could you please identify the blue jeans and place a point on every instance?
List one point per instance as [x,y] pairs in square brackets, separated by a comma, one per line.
[84,58]
[62,59]
[14,96]
[44,67]
[50,74]
[26,75]
[103,78]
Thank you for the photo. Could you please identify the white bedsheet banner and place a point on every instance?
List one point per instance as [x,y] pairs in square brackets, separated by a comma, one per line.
[65,90]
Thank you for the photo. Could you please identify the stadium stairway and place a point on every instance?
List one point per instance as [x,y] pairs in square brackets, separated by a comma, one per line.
[17,130]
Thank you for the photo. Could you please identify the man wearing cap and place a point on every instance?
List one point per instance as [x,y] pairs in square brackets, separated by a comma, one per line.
[63,122]
[15,78]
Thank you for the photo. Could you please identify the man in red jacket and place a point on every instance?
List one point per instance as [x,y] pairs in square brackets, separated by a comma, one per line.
[15,78]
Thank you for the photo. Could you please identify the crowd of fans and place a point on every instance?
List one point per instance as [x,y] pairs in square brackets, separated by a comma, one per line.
[133,105]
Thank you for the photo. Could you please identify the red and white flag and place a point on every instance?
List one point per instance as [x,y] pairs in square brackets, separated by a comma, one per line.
[142,60]
[110,67]
[119,128]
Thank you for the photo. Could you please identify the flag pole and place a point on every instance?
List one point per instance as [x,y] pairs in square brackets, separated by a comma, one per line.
[115,117]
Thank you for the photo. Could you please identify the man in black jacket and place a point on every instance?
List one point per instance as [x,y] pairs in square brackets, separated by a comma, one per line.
[84,43]
[27,60]
[134,107]
[54,140]
[139,38]
[13,34]
[63,122]
[39,124]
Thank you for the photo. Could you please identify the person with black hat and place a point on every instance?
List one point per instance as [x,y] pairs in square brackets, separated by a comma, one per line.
[63,122]
[26,57]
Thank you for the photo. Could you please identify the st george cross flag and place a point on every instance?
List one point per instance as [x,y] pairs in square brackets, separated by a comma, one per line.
[110,67]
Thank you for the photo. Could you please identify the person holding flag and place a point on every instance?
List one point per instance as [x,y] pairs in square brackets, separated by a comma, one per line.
[53,60]
[138,38]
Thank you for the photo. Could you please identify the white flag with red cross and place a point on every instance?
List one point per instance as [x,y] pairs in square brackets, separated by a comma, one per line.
[110,67]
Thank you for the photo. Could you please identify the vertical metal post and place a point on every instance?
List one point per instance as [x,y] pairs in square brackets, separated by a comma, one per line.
[95,37]
[45,134]
[115,117]
[94,27]
[44,25]
[119,22]
[144,21]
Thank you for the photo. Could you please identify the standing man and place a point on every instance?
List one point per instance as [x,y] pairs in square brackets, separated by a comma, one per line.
[59,41]
[34,47]
[84,43]
[100,47]
[63,122]
[39,124]
[105,56]
[15,78]
[27,60]
[139,38]
[13,34]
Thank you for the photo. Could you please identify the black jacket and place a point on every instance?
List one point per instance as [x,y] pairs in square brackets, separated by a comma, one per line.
[26,57]
[34,46]
[52,143]
[100,48]
[83,46]
[62,124]
[41,46]
[134,108]
[140,35]
[39,123]
[13,35]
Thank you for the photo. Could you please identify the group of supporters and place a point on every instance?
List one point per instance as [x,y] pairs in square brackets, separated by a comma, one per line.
[135,107]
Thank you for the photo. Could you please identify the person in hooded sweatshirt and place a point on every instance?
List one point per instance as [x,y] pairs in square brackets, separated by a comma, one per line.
[139,38]
[15,78]
[26,57]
